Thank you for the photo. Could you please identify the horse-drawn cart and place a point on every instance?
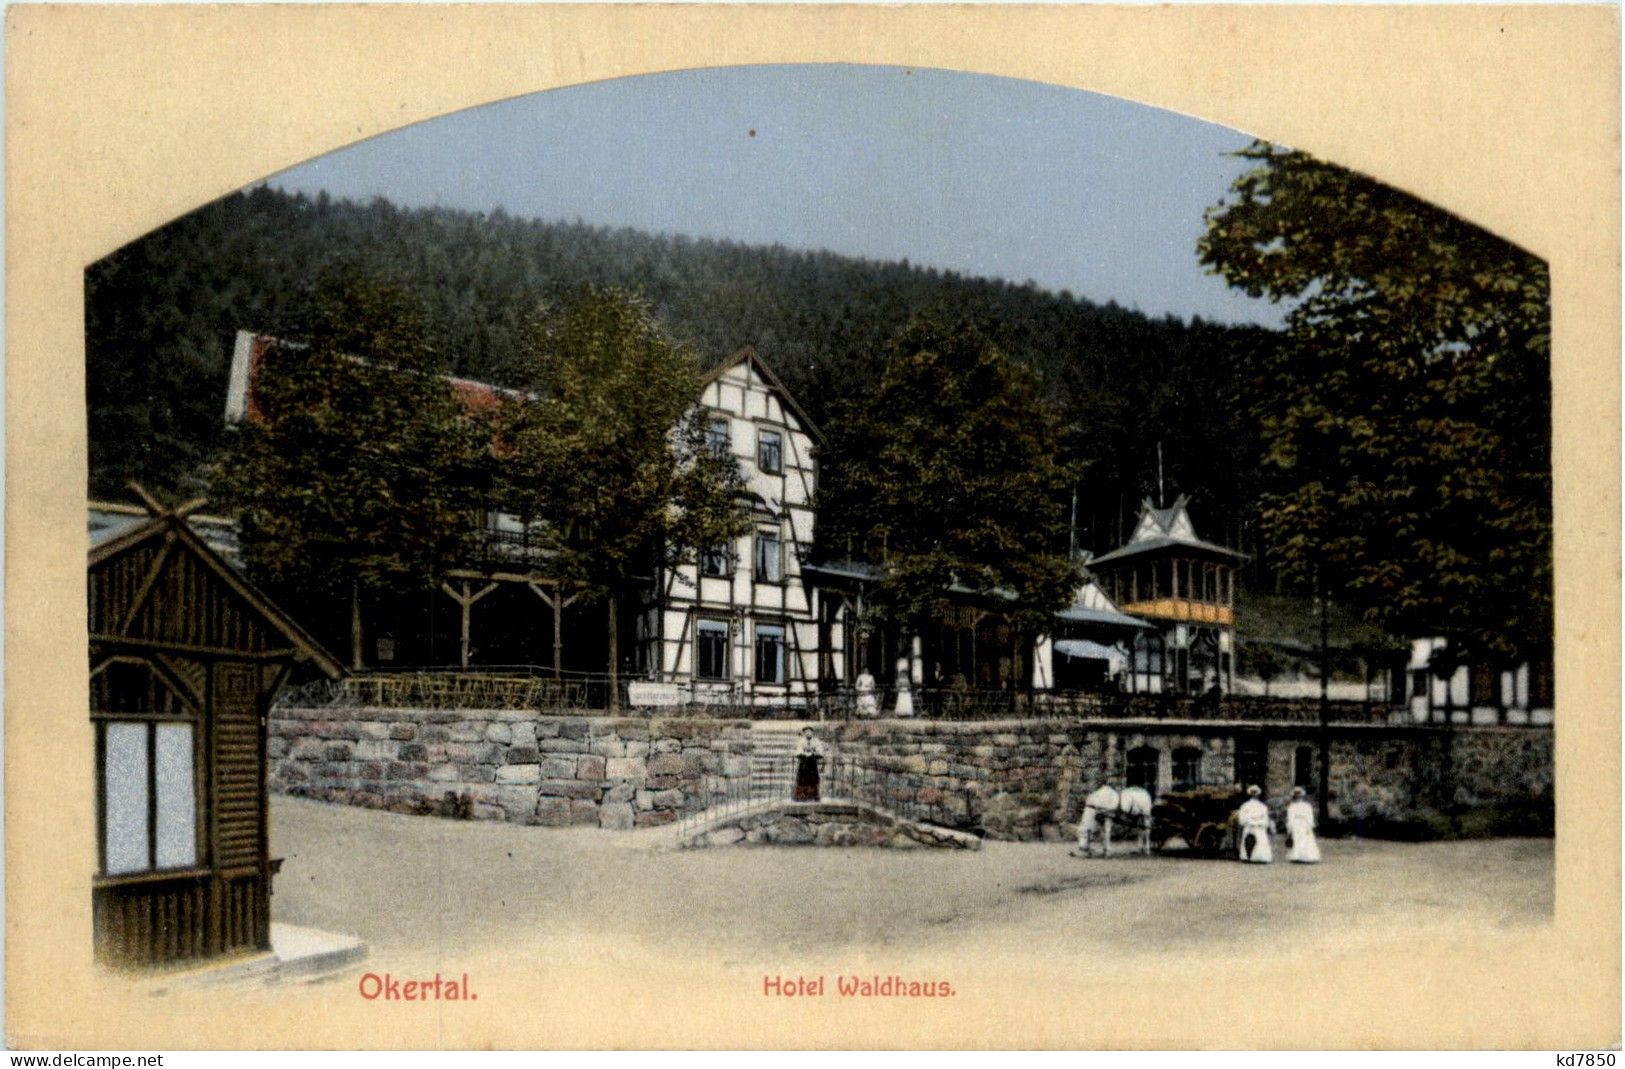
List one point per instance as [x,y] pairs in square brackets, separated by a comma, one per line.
[1202,817]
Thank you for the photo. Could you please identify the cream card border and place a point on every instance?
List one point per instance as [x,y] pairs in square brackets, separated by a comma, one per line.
[122,117]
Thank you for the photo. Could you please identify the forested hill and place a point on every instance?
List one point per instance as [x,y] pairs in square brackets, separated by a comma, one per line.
[161,314]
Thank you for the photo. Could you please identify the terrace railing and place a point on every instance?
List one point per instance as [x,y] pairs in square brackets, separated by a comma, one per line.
[541,690]
[770,780]
[509,687]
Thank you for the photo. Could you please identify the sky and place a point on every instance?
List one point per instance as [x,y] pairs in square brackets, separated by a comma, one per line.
[986,176]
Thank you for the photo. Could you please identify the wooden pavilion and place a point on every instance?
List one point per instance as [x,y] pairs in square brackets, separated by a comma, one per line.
[1186,587]
[185,656]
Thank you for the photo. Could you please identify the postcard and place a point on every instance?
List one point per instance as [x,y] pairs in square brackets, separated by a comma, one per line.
[812,527]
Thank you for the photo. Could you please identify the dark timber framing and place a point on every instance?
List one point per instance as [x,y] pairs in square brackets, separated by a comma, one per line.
[744,394]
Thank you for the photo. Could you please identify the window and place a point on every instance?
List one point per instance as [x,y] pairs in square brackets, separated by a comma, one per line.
[769,559]
[1147,653]
[711,645]
[1486,684]
[1303,767]
[149,802]
[1252,760]
[1187,767]
[769,452]
[1142,767]
[769,653]
[716,560]
[148,792]
[717,438]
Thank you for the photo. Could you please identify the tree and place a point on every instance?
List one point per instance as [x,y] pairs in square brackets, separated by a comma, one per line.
[950,472]
[1406,419]
[363,472]
[611,458]
[160,314]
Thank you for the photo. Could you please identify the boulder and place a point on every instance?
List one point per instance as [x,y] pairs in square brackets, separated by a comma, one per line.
[615,816]
[789,831]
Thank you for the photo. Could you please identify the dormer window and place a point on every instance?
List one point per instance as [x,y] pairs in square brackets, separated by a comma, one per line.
[770,452]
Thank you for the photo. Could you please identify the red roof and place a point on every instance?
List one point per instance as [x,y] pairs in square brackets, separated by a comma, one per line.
[248,357]
[480,398]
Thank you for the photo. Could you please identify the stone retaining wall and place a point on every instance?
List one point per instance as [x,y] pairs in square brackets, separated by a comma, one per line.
[1011,779]
[508,765]
[1026,779]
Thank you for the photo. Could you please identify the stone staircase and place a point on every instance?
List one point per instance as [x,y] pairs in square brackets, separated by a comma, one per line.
[773,748]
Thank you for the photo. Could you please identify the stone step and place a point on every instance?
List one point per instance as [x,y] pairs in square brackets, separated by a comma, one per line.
[298,955]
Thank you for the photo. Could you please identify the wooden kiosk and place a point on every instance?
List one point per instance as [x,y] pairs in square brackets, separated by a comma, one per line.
[185,657]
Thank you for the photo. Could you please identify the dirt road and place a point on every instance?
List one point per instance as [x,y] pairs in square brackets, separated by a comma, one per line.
[578,937]
[415,886]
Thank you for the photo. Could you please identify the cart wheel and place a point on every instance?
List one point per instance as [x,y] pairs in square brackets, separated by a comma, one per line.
[1209,839]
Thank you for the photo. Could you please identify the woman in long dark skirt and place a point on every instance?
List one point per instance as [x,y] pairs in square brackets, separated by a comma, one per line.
[808,758]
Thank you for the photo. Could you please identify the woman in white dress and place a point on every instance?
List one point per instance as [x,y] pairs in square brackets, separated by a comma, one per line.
[868,705]
[1253,820]
[1300,830]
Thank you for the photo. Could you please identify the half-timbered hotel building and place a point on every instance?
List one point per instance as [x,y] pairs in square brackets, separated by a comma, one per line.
[1448,686]
[739,623]
[759,623]
[742,621]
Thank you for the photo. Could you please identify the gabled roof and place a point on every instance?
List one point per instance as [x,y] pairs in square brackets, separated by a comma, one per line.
[863,571]
[1083,649]
[1092,606]
[173,523]
[748,355]
[110,519]
[1173,521]
[1162,528]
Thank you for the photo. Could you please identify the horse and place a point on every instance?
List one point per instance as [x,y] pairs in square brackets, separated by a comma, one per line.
[1105,804]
